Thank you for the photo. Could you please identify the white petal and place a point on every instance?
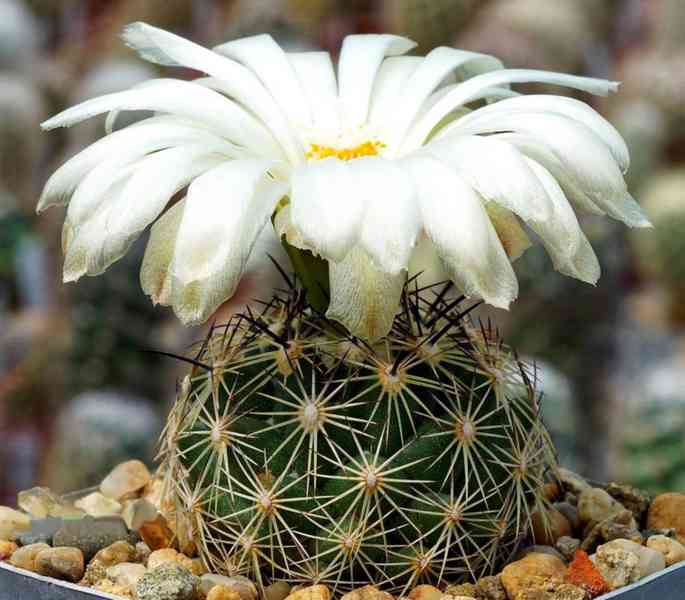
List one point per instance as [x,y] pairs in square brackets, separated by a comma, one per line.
[101,226]
[459,227]
[388,86]
[155,273]
[513,238]
[580,161]
[182,99]
[153,183]
[225,210]
[129,144]
[569,249]
[425,265]
[363,299]
[268,61]
[497,171]
[391,221]
[82,245]
[238,81]
[569,107]
[360,59]
[325,207]
[316,74]
[437,65]
[471,89]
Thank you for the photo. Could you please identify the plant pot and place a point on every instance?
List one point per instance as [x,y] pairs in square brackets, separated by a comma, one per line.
[16,584]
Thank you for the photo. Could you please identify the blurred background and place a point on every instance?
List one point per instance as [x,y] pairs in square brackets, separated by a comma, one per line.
[80,389]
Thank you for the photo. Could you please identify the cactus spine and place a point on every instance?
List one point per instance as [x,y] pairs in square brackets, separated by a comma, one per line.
[298,452]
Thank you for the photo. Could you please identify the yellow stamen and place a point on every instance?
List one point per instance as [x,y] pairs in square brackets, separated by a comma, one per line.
[369,148]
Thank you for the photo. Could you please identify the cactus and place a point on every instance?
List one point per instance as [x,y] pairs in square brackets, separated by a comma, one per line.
[298,452]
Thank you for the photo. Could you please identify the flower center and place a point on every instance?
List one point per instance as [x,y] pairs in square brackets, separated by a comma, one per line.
[367,148]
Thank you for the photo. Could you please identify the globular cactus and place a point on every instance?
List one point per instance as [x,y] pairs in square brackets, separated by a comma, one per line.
[297,452]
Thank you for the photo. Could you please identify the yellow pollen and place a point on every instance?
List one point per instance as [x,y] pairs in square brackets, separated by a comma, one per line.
[369,148]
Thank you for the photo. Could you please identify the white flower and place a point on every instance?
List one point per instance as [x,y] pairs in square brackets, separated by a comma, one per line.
[360,168]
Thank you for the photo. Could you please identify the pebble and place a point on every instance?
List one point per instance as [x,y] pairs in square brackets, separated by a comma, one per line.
[617,566]
[667,511]
[157,534]
[42,502]
[118,552]
[570,511]
[311,592]
[672,550]
[25,557]
[368,592]
[425,592]
[451,597]
[126,574]
[242,585]
[125,479]
[169,581]
[635,500]
[138,512]
[12,523]
[551,589]
[98,505]
[491,588]
[516,575]
[7,548]
[41,531]
[153,492]
[109,587]
[221,592]
[91,534]
[572,482]
[537,549]
[60,563]
[650,561]
[142,553]
[277,591]
[595,505]
[567,547]
[621,525]
[549,526]
[465,589]
[669,533]
[169,555]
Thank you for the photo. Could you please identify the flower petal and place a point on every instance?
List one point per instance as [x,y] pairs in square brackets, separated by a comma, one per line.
[316,74]
[360,59]
[326,208]
[225,210]
[433,70]
[456,222]
[578,159]
[511,235]
[159,46]
[472,88]
[563,105]
[185,100]
[391,221]
[155,272]
[496,170]
[267,60]
[129,145]
[389,84]
[363,298]
[155,180]
[112,216]
[569,249]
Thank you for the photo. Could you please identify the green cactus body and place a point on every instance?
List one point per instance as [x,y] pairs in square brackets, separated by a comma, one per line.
[301,453]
